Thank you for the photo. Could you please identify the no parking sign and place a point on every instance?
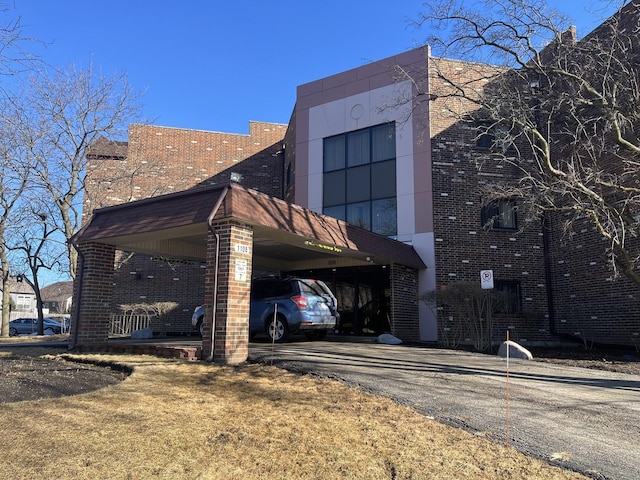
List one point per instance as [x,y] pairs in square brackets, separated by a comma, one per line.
[486,278]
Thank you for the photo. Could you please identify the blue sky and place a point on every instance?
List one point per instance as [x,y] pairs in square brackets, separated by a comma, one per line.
[216,65]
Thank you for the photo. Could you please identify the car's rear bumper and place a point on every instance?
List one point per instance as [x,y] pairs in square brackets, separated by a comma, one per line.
[317,324]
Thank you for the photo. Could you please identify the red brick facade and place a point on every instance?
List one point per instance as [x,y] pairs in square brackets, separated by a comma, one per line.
[567,287]
[92,292]
[159,160]
[564,285]
[231,288]
[463,247]
[162,160]
[590,304]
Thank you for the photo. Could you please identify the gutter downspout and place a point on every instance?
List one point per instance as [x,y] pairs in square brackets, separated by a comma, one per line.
[546,245]
[214,302]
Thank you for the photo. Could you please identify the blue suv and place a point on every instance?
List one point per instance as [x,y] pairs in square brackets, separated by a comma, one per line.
[282,306]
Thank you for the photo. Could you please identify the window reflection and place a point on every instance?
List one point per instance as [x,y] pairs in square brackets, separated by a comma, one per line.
[359,182]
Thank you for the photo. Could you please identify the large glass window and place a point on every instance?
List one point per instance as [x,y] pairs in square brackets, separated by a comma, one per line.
[383,142]
[333,188]
[359,182]
[359,214]
[334,153]
[358,148]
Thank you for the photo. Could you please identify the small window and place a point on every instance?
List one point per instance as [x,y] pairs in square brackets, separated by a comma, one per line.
[511,301]
[358,147]
[485,139]
[495,137]
[383,142]
[500,215]
[385,216]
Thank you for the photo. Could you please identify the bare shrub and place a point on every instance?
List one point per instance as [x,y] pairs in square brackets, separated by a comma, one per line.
[467,311]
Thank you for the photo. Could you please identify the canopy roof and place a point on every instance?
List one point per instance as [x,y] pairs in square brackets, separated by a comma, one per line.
[177,226]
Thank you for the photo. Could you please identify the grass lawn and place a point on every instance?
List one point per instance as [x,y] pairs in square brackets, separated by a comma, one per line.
[173,419]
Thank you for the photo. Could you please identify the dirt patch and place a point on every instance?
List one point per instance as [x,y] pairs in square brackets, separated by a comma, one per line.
[28,377]
[610,360]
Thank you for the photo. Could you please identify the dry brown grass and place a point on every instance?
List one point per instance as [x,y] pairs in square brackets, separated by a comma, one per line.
[35,339]
[173,420]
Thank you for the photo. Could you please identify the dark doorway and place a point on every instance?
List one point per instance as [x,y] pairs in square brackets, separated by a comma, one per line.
[363,295]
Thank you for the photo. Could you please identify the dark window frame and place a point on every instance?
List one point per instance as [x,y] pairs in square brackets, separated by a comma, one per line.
[512,292]
[486,138]
[494,216]
[330,200]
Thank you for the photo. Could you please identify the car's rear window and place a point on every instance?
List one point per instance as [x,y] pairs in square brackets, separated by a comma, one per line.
[270,288]
[310,287]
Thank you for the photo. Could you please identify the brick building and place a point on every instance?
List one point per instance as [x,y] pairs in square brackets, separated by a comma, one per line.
[590,303]
[362,150]
[161,160]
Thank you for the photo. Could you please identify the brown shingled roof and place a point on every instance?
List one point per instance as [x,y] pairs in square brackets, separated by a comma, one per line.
[177,224]
[108,149]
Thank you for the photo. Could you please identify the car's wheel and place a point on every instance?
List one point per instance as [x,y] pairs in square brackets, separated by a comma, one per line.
[48,331]
[316,334]
[278,329]
[200,326]
[13,332]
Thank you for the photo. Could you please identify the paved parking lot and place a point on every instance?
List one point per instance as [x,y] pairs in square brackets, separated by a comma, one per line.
[588,419]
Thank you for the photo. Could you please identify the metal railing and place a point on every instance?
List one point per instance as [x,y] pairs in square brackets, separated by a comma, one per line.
[122,325]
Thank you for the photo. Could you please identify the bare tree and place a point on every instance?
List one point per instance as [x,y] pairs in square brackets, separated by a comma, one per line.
[14,176]
[35,243]
[14,56]
[562,112]
[68,111]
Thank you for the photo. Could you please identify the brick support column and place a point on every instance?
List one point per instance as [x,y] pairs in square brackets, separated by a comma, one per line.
[93,289]
[232,289]
[405,316]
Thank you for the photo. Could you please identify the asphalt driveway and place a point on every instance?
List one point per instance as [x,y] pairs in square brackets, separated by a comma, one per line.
[585,420]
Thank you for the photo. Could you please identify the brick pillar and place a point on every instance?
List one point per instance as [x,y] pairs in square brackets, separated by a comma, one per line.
[405,315]
[93,289]
[231,333]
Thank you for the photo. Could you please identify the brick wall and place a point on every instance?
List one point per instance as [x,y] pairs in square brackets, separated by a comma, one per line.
[163,160]
[159,160]
[289,161]
[95,279]
[233,289]
[405,321]
[141,281]
[462,246]
[591,305]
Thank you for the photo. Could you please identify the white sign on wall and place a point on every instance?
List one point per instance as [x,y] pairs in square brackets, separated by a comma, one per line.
[241,270]
[486,278]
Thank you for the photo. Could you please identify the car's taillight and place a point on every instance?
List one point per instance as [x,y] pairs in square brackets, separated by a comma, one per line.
[300,301]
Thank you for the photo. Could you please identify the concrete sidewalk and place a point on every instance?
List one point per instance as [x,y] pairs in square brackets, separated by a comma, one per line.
[587,419]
